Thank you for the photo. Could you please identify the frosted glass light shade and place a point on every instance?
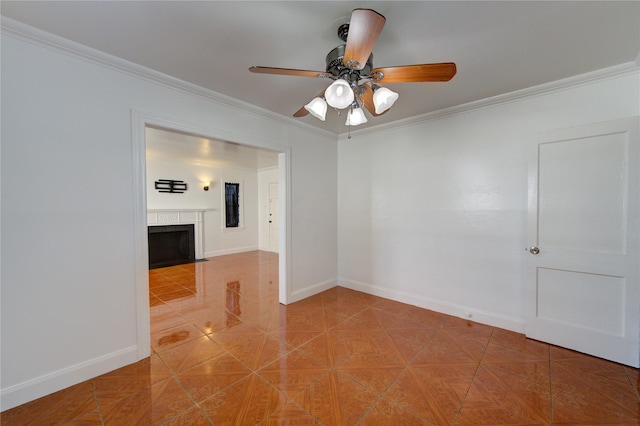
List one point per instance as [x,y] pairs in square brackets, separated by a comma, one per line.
[317,107]
[339,94]
[355,117]
[383,99]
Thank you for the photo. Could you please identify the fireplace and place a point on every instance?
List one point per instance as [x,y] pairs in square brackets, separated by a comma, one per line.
[171,245]
[181,217]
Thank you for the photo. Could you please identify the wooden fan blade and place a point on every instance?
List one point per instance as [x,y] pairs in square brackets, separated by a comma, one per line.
[364,28]
[367,100]
[289,71]
[303,111]
[415,73]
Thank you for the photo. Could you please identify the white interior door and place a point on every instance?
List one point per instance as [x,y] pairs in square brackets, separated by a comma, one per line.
[274,229]
[583,255]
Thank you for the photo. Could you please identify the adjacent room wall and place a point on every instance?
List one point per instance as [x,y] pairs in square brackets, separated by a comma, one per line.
[68,194]
[217,240]
[433,212]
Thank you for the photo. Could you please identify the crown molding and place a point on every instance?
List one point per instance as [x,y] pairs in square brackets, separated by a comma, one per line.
[615,71]
[79,51]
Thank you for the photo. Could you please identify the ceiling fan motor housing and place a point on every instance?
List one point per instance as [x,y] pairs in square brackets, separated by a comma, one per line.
[336,67]
[343,32]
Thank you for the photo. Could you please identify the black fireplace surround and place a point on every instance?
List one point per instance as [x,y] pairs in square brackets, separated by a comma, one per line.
[171,245]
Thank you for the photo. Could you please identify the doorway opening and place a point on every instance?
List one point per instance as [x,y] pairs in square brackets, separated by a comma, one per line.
[199,188]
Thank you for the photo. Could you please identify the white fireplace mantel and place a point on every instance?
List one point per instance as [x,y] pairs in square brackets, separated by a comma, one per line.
[181,217]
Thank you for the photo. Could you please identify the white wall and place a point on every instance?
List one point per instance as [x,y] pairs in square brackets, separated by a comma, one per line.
[192,174]
[217,240]
[433,213]
[69,205]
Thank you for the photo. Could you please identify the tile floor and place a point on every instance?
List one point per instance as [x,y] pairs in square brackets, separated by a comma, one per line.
[225,352]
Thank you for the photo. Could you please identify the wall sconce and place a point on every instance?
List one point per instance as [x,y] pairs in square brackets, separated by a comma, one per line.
[206,186]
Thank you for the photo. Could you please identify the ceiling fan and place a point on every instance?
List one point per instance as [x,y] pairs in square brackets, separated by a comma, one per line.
[350,65]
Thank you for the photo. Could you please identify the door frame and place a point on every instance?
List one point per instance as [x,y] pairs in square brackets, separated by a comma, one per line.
[139,121]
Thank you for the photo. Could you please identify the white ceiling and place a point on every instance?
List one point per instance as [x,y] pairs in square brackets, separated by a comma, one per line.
[192,149]
[499,47]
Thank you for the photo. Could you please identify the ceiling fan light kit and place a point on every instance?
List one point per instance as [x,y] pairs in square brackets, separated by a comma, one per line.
[350,65]
[355,117]
[383,98]
[317,107]
[340,94]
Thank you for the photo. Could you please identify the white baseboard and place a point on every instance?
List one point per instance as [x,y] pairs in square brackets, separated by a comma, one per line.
[223,252]
[21,393]
[312,290]
[467,312]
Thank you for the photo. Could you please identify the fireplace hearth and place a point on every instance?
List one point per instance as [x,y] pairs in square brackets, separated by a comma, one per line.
[171,245]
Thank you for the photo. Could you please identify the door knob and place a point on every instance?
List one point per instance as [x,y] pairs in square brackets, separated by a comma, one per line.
[534,250]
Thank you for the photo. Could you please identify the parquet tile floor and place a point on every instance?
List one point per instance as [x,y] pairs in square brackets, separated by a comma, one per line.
[224,352]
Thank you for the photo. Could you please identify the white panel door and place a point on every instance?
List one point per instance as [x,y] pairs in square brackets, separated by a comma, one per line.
[583,255]
[274,218]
